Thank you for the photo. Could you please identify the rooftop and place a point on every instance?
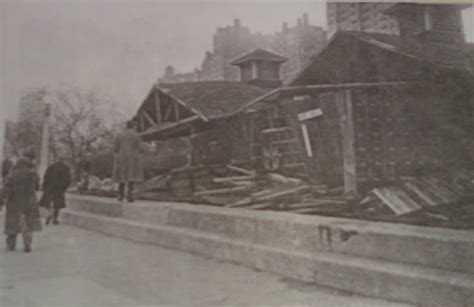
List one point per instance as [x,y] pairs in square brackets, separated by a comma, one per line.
[259,54]
[213,98]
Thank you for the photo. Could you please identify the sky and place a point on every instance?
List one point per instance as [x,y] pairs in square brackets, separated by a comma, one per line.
[119,47]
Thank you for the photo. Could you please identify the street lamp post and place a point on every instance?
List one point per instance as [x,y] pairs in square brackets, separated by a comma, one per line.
[44,155]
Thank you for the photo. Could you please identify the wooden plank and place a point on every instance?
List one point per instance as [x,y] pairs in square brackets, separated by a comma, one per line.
[344,104]
[440,191]
[392,201]
[221,191]
[241,170]
[230,179]
[243,202]
[242,183]
[263,192]
[408,201]
[283,193]
[274,130]
[168,126]
[421,194]
[282,179]
[310,114]
[307,144]
[168,108]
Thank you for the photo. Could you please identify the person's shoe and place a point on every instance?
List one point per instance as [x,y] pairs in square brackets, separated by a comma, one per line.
[11,244]
[55,222]
[27,249]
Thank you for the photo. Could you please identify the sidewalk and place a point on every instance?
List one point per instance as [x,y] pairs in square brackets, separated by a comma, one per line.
[75,267]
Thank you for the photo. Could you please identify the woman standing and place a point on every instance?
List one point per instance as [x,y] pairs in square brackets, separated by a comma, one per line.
[128,164]
[22,212]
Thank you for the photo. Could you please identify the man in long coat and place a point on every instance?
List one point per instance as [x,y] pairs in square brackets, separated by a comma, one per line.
[128,162]
[56,180]
[22,212]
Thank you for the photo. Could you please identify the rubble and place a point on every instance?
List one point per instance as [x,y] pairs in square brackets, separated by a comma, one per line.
[438,200]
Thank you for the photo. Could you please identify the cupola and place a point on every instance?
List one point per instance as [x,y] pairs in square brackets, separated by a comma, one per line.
[260,67]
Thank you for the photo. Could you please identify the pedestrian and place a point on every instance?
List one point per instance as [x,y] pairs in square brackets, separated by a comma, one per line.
[56,180]
[7,165]
[22,212]
[128,164]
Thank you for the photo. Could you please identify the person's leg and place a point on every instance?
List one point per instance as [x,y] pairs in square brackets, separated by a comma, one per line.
[45,202]
[11,242]
[56,215]
[130,191]
[121,191]
[59,203]
[27,240]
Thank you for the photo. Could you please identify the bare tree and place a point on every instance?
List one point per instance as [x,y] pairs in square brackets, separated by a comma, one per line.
[81,122]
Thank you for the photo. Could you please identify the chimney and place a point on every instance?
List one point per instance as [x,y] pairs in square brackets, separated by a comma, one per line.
[284,27]
[236,22]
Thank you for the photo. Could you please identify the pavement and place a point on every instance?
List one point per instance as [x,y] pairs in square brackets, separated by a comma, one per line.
[75,267]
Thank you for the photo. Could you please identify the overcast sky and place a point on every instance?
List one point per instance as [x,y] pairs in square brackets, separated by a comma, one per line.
[122,47]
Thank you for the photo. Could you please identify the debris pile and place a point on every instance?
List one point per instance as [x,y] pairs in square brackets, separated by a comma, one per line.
[233,186]
[437,200]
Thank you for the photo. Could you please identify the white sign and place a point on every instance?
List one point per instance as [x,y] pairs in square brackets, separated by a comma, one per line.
[307,144]
[310,114]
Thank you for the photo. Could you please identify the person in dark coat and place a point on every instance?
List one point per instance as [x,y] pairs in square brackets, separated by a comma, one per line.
[7,165]
[56,180]
[128,161]
[22,212]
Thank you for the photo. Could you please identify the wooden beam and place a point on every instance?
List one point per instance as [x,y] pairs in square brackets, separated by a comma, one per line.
[159,119]
[168,111]
[168,126]
[149,118]
[184,104]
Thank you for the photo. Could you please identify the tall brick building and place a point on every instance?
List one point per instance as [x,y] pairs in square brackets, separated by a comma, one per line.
[361,16]
[296,43]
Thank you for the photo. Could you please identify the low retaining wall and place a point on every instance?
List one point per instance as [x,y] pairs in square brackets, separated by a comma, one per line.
[423,265]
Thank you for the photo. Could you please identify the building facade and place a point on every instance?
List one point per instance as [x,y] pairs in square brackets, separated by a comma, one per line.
[296,43]
[360,16]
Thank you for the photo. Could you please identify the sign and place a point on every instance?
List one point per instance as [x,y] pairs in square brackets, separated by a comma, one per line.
[310,114]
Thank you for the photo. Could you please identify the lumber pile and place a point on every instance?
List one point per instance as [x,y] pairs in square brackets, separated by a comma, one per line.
[415,194]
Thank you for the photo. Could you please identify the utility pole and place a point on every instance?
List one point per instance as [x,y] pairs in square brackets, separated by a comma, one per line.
[44,155]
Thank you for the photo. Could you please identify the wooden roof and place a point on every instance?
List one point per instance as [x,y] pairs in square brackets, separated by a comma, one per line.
[353,56]
[213,98]
[259,54]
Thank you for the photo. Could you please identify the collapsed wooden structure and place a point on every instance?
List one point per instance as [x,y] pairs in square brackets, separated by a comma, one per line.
[363,113]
